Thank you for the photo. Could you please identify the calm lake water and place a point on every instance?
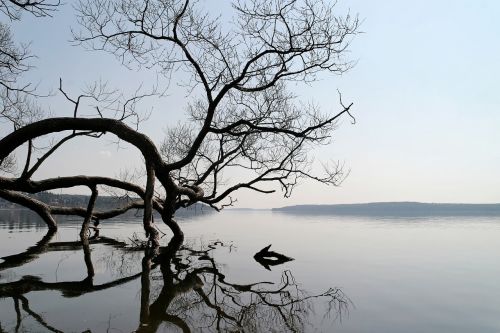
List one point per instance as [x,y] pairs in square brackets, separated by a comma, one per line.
[350,274]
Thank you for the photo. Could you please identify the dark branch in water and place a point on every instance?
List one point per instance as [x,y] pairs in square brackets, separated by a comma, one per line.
[32,253]
[192,291]
[36,316]
[44,246]
[270,258]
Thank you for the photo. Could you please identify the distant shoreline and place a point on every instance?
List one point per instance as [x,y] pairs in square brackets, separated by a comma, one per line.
[390,209]
[397,209]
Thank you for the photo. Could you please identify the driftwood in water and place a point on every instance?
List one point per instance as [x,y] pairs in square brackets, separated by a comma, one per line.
[270,258]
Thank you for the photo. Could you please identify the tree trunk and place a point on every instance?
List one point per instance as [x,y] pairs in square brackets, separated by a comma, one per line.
[172,224]
[84,231]
[148,223]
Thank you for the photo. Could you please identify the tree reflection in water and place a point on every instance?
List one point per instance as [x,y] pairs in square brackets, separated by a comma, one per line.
[180,286]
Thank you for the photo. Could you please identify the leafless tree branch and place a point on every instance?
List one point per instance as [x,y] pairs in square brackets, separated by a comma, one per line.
[242,116]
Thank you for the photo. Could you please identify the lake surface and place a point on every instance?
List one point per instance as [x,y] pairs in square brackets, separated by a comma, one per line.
[350,274]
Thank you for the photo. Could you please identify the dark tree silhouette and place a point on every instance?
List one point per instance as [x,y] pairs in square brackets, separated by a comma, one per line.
[241,114]
[17,106]
[39,8]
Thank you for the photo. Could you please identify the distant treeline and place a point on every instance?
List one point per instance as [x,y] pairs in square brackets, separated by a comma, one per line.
[71,200]
[102,203]
[396,209]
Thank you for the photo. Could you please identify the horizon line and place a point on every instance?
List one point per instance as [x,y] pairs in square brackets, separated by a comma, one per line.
[366,203]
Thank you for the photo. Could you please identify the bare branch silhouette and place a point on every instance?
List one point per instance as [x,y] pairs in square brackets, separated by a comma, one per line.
[241,115]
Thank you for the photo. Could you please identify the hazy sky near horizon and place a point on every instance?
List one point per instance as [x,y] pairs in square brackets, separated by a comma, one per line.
[425,94]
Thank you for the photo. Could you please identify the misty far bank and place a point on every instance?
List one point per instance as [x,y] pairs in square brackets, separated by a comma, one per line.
[395,209]
[377,209]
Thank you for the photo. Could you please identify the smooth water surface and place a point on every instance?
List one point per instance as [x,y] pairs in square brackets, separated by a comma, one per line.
[350,274]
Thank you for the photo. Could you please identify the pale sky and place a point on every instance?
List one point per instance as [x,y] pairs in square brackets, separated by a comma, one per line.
[425,94]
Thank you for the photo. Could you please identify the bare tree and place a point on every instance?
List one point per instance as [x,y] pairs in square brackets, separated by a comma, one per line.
[15,60]
[242,116]
[38,8]
[17,106]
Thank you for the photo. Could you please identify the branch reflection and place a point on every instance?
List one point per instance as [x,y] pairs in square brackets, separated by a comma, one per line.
[180,287]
